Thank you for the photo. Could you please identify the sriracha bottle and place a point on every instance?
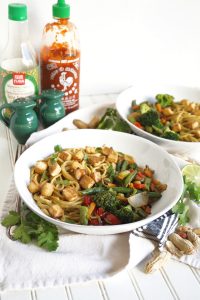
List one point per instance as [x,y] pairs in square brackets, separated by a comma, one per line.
[60,56]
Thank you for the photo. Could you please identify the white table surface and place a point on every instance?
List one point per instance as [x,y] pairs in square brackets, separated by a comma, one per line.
[174,281]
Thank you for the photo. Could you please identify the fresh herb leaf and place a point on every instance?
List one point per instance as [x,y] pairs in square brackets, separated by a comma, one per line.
[13,218]
[44,176]
[58,148]
[53,158]
[31,228]
[193,191]
[182,210]
[63,182]
[85,157]
[22,233]
[47,241]
[184,217]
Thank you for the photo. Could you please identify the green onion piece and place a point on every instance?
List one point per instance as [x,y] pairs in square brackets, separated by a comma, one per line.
[53,158]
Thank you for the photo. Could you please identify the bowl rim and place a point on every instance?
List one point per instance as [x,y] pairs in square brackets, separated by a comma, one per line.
[70,226]
[143,132]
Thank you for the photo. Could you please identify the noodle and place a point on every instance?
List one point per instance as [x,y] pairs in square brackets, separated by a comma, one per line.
[183,118]
[58,181]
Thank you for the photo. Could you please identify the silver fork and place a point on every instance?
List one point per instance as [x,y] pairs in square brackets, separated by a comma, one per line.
[20,150]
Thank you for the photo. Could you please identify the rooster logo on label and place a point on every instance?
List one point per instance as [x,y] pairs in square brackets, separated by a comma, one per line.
[65,81]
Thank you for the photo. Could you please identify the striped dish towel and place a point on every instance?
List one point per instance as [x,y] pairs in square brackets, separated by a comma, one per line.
[159,229]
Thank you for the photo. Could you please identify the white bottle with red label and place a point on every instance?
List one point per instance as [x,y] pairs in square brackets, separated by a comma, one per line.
[19,69]
[60,56]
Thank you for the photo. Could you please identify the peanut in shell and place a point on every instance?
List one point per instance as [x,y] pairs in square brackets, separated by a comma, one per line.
[182,244]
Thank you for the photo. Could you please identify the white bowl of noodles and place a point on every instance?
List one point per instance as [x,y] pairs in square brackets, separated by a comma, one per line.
[143,151]
[143,93]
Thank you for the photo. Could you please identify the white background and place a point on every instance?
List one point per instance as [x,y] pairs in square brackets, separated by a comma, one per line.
[125,41]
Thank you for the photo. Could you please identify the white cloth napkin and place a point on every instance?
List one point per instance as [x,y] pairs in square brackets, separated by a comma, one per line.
[78,258]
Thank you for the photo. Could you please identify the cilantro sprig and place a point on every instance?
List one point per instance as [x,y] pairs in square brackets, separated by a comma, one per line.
[57,148]
[191,192]
[31,228]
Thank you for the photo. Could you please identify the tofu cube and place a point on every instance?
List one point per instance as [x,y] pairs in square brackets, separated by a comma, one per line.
[79,155]
[79,173]
[86,182]
[70,193]
[56,211]
[54,169]
[64,155]
[112,157]
[96,176]
[33,187]
[40,167]
[47,189]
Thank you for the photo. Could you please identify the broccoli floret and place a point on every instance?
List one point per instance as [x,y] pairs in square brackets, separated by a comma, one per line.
[144,107]
[158,128]
[164,99]
[171,135]
[107,200]
[149,118]
[125,214]
[111,120]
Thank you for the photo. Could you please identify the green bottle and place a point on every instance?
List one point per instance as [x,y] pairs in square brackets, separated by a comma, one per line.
[51,107]
[23,120]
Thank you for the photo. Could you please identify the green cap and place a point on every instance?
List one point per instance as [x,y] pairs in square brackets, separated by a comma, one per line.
[17,12]
[61,10]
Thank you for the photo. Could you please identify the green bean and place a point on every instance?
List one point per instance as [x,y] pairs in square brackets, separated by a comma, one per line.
[130,177]
[136,217]
[94,190]
[124,165]
[118,166]
[133,166]
[141,212]
[154,194]
[118,181]
[122,189]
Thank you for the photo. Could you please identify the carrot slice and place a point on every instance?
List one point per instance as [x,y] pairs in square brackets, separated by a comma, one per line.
[91,209]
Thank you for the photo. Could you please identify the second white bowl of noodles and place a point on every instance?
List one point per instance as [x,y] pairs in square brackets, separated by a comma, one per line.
[144,152]
[144,92]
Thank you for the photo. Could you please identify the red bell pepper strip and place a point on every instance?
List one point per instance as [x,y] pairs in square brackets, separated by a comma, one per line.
[138,124]
[112,219]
